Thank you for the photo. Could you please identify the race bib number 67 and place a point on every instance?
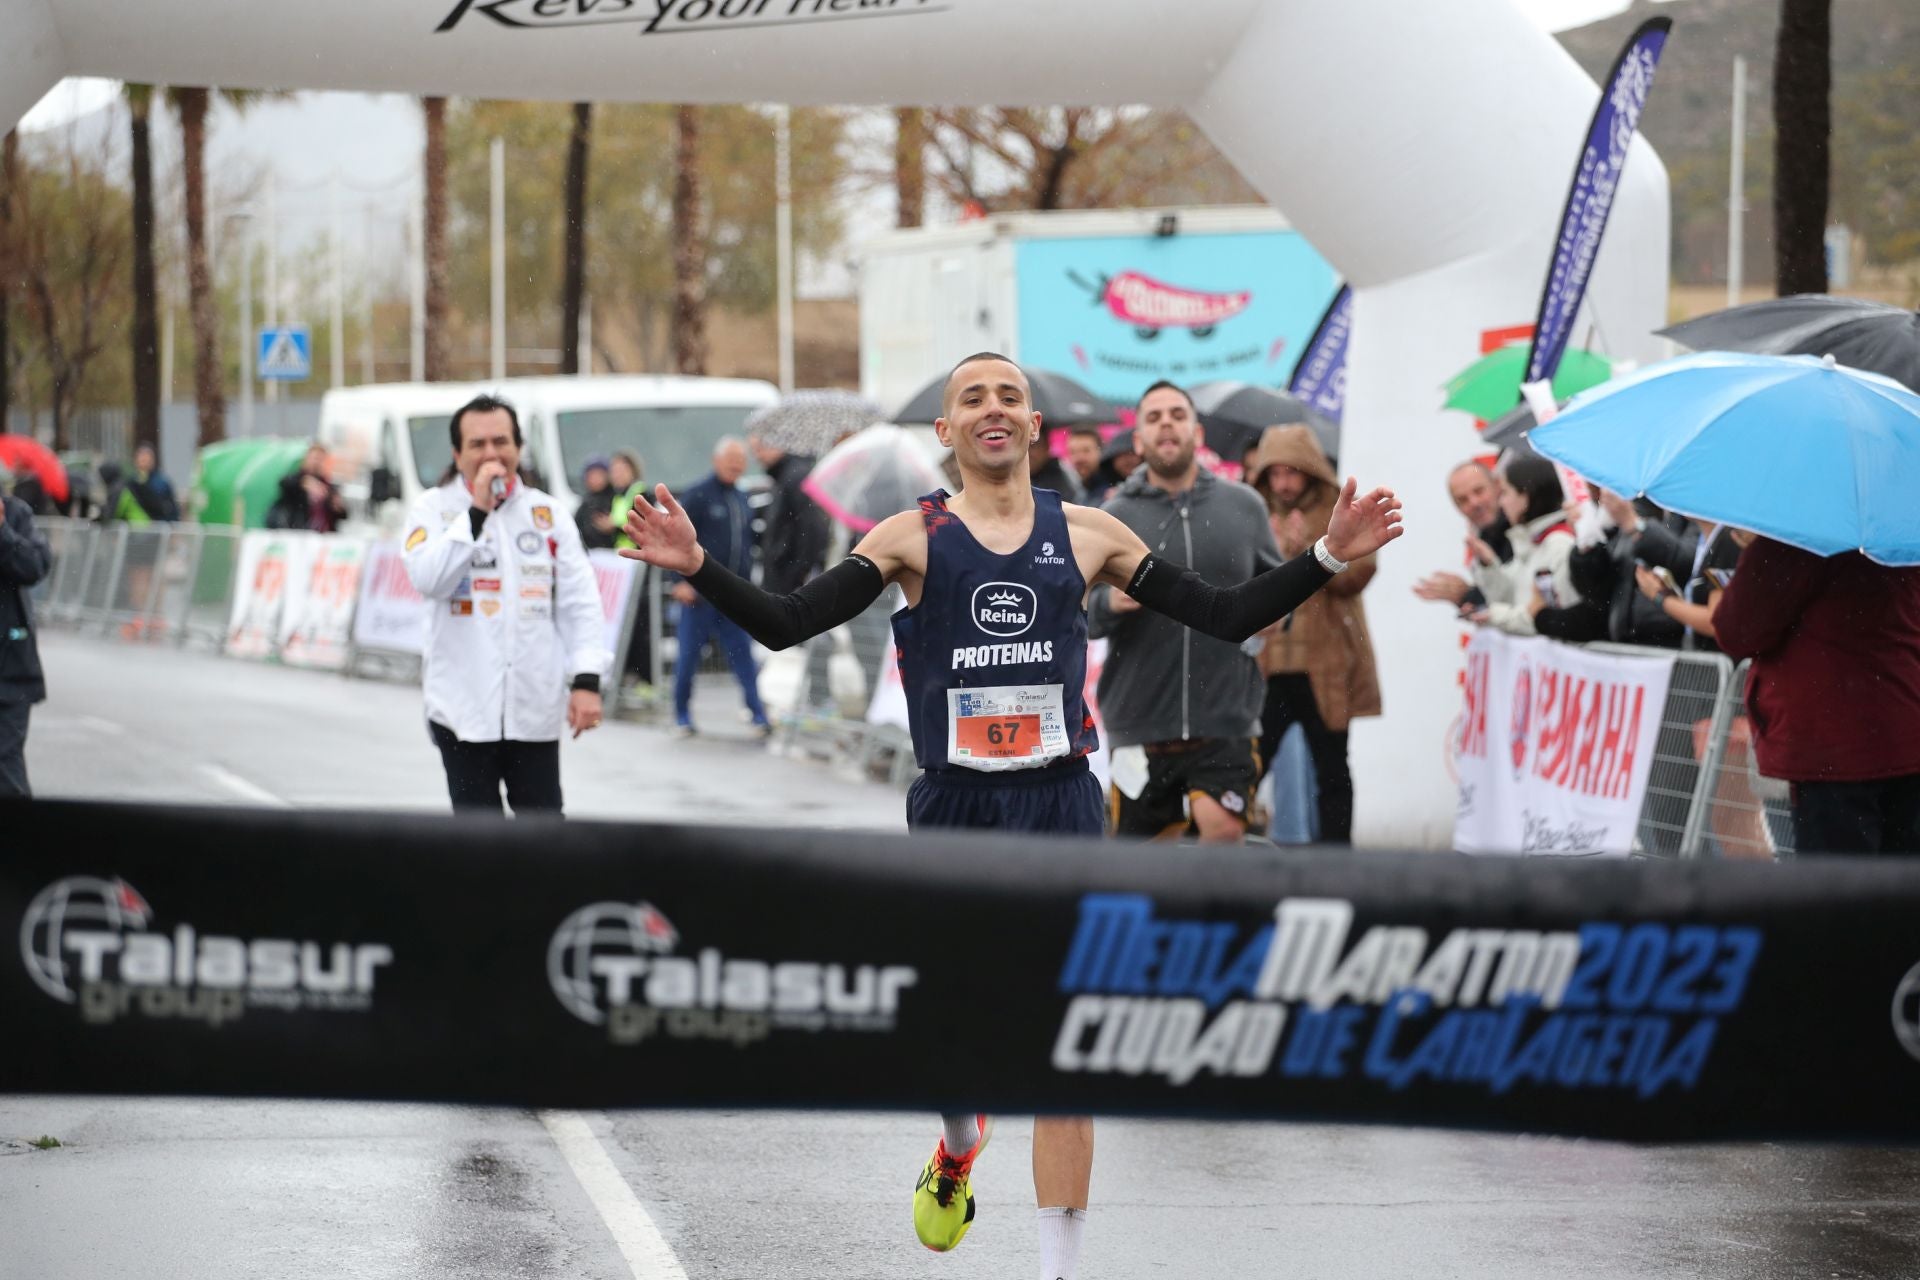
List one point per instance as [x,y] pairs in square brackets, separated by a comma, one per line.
[1005,727]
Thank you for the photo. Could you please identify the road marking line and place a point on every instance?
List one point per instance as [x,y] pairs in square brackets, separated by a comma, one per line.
[245,790]
[645,1249]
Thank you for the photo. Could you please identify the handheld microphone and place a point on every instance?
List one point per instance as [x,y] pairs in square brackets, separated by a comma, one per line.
[498,489]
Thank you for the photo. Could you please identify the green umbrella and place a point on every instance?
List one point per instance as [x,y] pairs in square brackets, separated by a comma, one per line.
[236,481]
[1490,385]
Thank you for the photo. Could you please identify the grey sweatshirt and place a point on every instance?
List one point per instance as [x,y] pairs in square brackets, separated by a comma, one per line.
[1162,682]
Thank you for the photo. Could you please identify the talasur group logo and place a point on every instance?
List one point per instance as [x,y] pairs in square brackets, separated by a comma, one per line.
[621,929]
[89,941]
[615,965]
[1004,608]
[1906,1012]
[80,903]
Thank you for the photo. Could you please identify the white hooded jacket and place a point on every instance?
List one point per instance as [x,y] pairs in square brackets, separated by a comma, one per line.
[513,614]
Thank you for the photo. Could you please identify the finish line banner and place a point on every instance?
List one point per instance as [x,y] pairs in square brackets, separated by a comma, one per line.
[565,964]
[1555,746]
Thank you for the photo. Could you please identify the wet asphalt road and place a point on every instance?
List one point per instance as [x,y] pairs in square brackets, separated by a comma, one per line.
[217,1189]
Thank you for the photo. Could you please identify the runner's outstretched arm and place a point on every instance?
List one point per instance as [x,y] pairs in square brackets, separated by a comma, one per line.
[663,536]
[1360,526]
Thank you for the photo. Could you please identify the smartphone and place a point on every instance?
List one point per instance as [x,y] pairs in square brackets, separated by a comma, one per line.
[1720,578]
[1665,575]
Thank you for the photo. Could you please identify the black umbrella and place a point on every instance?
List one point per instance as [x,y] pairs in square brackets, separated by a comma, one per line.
[1866,335]
[1235,413]
[1062,402]
[810,422]
[1507,429]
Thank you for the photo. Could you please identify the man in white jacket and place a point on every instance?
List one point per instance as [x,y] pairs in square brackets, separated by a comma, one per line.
[514,644]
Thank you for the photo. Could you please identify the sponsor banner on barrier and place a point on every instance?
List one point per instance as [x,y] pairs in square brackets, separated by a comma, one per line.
[1554,747]
[617,577]
[392,616]
[319,633]
[600,965]
[270,585]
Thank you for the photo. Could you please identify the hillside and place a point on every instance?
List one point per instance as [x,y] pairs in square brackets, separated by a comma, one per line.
[1876,123]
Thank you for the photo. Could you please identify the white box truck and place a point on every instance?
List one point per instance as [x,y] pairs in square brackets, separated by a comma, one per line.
[390,441]
[1115,299]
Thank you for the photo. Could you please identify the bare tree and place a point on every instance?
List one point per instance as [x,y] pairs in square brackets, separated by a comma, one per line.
[573,282]
[1078,158]
[910,166]
[1803,124]
[146,325]
[689,247]
[72,240]
[439,340]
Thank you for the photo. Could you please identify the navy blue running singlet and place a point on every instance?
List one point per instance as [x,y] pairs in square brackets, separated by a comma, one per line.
[994,657]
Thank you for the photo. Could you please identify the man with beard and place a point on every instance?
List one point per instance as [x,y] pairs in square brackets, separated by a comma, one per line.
[1320,668]
[993,657]
[1183,748]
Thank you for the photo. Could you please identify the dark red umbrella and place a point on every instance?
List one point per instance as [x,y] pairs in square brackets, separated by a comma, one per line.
[23,455]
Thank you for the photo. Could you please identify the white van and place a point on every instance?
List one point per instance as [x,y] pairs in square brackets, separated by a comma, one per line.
[671,422]
[389,442]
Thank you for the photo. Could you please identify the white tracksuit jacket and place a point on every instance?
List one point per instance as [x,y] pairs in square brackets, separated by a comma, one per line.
[513,615]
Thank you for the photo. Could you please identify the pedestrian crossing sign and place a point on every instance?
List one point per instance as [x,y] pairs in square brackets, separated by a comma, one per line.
[285,354]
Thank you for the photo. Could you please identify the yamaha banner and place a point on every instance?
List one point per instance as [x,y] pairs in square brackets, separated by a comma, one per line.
[567,964]
[1320,375]
[1590,199]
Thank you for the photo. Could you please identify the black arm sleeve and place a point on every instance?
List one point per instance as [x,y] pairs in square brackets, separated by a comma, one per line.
[1227,613]
[839,595]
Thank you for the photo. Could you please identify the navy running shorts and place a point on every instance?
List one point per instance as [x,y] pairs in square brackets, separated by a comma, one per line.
[1063,799]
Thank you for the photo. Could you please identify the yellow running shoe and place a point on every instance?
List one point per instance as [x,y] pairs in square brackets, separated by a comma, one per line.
[943,1198]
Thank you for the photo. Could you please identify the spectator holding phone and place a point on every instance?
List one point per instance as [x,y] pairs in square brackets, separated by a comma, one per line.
[1715,554]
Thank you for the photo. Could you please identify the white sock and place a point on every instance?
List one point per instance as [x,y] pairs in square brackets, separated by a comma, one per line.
[1060,1242]
[960,1131]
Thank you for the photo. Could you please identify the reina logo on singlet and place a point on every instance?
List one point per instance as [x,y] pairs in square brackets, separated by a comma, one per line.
[1004,608]
[1047,556]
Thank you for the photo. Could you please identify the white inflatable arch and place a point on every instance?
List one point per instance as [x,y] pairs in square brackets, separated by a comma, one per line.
[1423,148]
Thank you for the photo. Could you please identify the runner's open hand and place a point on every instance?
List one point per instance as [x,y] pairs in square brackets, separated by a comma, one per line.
[662,535]
[1361,526]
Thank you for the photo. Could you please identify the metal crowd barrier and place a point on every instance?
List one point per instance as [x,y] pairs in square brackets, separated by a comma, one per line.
[174,583]
[1704,796]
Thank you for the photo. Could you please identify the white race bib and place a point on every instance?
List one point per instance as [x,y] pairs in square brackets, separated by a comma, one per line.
[1006,727]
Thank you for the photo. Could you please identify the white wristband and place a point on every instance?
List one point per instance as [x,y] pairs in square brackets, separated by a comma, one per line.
[1325,557]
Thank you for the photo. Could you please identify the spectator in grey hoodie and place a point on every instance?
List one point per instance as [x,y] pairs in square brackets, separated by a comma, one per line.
[1182,710]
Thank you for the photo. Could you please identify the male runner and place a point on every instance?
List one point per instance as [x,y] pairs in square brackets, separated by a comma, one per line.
[993,649]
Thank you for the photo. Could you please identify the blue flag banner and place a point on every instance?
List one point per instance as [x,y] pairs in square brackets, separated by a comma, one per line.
[1595,179]
[1320,375]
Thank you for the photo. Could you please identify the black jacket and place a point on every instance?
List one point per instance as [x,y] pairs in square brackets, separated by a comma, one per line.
[591,505]
[24,561]
[794,546]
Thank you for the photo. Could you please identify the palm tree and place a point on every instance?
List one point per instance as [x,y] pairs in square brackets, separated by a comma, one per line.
[191,103]
[1803,122]
[438,356]
[146,326]
[9,154]
[573,280]
[689,247]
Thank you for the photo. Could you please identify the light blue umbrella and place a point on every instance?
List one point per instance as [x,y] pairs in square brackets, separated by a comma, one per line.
[1807,452]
